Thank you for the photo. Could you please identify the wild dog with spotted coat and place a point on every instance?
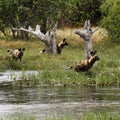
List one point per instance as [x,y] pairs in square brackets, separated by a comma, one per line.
[16,53]
[60,46]
[85,65]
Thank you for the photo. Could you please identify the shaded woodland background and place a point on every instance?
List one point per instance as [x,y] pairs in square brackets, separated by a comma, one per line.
[68,13]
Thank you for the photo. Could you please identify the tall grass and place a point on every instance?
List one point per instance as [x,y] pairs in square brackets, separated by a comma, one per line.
[88,116]
[18,117]
[84,116]
[52,68]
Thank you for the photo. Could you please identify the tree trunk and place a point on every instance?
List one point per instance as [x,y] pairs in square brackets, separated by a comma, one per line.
[86,34]
[49,38]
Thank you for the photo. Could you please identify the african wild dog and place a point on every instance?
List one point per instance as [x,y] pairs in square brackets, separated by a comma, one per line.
[16,53]
[59,46]
[86,64]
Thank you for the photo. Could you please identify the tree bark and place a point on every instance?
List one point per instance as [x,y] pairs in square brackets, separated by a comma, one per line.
[86,34]
[48,38]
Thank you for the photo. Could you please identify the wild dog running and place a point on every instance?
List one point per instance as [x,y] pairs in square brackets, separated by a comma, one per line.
[85,65]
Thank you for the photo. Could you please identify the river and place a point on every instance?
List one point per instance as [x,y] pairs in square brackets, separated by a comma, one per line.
[42,101]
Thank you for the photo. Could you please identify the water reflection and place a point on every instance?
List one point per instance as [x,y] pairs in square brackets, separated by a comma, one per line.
[46,94]
[41,101]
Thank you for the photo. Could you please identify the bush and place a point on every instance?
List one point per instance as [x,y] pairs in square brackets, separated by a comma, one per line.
[111,18]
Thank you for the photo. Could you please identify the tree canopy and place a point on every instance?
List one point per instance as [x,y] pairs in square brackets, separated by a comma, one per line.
[22,13]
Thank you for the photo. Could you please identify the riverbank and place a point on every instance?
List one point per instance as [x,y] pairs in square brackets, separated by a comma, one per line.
[89,116]
[52,68]
[86,116]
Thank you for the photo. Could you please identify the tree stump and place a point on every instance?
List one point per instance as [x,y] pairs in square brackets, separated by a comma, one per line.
[86,34]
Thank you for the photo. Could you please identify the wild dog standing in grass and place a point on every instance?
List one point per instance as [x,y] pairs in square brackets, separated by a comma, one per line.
[85,65]
[16,53]
[59,46]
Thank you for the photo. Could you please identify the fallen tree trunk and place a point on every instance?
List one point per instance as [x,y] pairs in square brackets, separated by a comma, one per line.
[48,38]
[86,34]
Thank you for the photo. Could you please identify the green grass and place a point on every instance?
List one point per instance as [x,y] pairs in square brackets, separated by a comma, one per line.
[52,68]
[84,116]
[18,117]
[87,116]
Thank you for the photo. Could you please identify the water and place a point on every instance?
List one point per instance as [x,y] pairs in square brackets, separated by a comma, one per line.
[42,101]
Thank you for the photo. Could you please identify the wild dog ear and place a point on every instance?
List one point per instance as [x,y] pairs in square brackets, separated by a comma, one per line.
[64,39]
[23,49]
[19,49]
[93,52]
[8,50]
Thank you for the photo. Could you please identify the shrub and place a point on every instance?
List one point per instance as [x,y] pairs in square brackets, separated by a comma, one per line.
[111,18]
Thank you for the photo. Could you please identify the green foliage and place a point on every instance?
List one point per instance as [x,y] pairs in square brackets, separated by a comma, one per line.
[86,9]
[22,13]
[111,18]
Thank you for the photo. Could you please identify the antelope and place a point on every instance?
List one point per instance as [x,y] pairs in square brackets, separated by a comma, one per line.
[16,53]
[85,65]
[60,46]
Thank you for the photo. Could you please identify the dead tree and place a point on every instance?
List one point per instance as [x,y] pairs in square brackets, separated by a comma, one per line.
[60,46]
[86,34]
[48,38]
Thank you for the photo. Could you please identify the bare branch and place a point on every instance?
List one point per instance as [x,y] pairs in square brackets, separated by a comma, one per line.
[38,28]
[30,28]
[23,29]
[55,27]
[80,33]
[36,33]
[15,29]
[87,24]
[94,30]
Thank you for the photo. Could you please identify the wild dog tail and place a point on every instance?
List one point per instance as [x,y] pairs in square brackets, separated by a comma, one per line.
[70,67]
[42,51]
